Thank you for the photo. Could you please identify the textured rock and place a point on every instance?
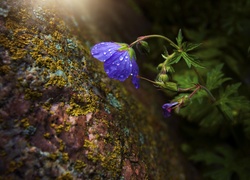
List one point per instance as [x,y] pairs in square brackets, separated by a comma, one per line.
[60,116]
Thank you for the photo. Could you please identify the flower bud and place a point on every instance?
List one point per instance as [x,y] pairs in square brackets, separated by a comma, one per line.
[163,77]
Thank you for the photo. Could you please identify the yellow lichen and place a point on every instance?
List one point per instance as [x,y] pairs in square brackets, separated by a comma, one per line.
[13,165]
[4,69]
[66,176]
[67,125]
[30,94]
[46,106]
[25,122]
[53,156]
[56,81]
[47,135]
[65,157]
[110,160]
[79,165]
[58,128]
[61,145]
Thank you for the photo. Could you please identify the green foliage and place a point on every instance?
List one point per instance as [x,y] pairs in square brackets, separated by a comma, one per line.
[223,29]
[181,53]
[215,78]
[229,163]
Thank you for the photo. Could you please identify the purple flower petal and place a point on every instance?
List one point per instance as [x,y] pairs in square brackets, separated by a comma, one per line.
[119,60]
[167,108]
[118,66]
[104,50]
[134,74]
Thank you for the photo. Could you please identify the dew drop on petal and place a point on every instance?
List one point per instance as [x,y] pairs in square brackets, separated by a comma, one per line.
[117,64]
[121,58]
[104,53]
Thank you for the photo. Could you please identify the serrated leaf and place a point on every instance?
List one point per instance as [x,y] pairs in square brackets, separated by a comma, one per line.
[215,78]
[231,89]
[189,46]
[173,59]
[230,103]
[179,38]
[191,60]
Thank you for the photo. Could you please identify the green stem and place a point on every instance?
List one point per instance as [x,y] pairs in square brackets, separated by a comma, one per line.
[146,79]
[154,36]
[209,93]
[185,89]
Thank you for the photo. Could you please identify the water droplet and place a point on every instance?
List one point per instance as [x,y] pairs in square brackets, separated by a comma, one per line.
[131,74]
[104,53]
[130,65]
[117,64]
[121,58]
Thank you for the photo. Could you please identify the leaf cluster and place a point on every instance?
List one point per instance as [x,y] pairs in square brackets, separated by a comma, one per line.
[183,53]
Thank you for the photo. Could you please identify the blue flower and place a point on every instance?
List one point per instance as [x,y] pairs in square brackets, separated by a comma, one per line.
[119,60]
[167,108]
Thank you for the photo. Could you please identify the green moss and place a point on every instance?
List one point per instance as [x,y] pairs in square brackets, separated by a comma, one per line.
[113,101]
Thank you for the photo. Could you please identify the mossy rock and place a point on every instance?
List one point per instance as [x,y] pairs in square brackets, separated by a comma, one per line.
[61,117]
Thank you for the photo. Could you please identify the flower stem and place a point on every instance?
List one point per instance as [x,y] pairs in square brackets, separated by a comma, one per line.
[146,79]
[185,89]
[154,36]
[209,93]
[196,89]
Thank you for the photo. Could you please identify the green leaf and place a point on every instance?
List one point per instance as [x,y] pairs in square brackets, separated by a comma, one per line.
[191,60]
[215,78]
[231,104]
[179,38]
[175,58]
[224,161]
[189,46]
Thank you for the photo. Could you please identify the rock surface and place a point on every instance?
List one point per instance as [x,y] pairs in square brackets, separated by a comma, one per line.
[60,116]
